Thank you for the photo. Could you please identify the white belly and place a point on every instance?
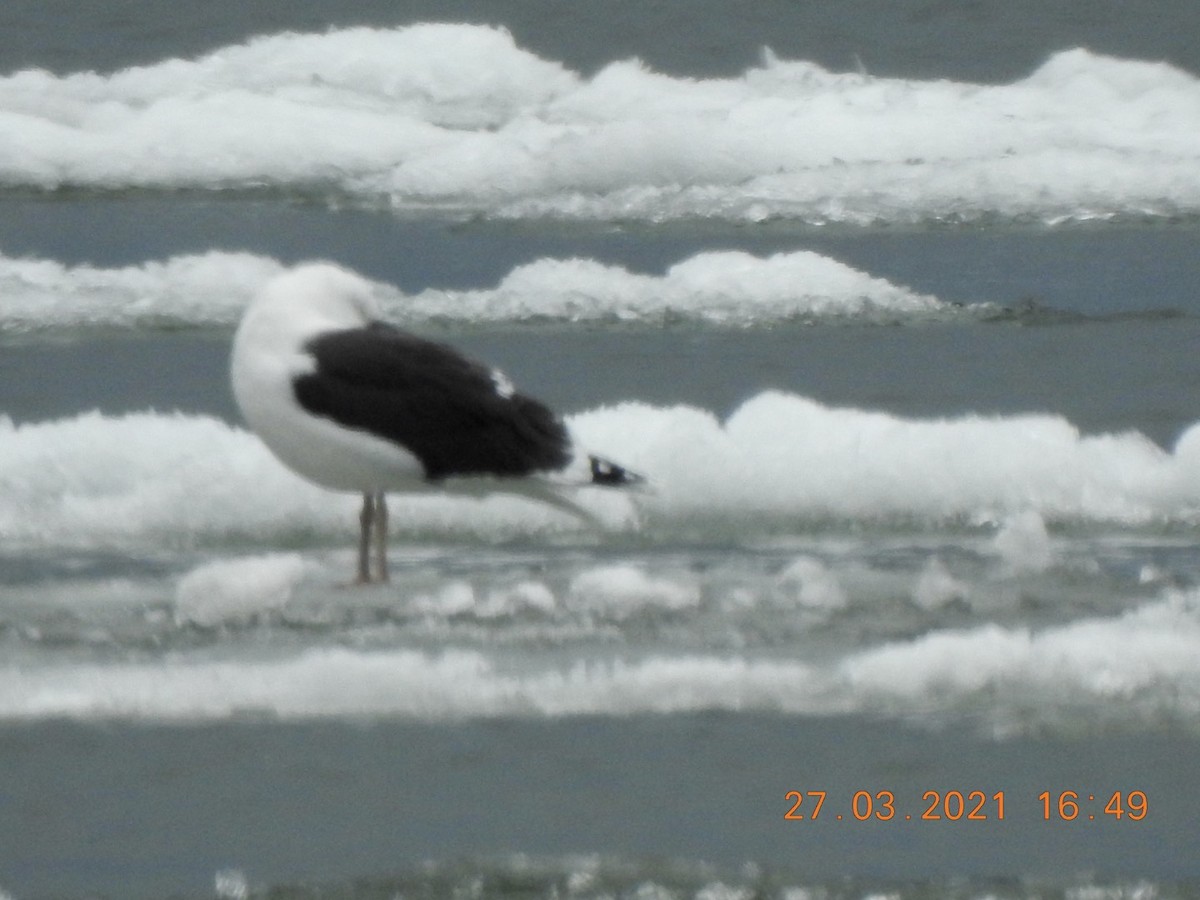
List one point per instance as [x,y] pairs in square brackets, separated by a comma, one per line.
[317,448]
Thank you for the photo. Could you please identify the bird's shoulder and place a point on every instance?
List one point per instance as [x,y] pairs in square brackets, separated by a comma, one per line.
[386,356]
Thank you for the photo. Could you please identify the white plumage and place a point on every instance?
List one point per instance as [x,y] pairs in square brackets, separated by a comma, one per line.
[354,404]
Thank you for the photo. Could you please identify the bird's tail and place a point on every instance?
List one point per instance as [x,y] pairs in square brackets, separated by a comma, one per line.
[608,474]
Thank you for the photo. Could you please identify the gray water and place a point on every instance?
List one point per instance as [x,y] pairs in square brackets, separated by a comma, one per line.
[587,807]
[123,775]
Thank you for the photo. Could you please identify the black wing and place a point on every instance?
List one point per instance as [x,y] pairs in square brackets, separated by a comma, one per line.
[446,410]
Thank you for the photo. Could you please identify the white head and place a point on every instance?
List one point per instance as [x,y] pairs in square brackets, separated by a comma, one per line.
[322,293]
[287,313]
[304,301]
[269,351]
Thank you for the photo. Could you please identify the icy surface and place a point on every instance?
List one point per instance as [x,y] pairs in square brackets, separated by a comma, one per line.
[460,118]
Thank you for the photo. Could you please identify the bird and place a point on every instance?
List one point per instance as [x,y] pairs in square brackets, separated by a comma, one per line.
[354,403]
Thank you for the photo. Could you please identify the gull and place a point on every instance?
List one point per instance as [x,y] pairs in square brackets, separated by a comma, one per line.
[353,403]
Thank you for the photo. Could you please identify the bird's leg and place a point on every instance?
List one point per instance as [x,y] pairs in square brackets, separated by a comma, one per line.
[381,537]
[365,519]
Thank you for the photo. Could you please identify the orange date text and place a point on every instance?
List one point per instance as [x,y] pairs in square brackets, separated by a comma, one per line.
[883,806]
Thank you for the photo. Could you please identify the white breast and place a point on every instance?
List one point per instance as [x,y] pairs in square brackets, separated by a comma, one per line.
[268,354]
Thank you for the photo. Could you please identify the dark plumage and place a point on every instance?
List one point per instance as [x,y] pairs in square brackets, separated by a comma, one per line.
[456,416]
[354,404]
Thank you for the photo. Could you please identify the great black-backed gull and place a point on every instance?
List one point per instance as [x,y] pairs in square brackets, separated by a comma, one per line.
[355,404]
